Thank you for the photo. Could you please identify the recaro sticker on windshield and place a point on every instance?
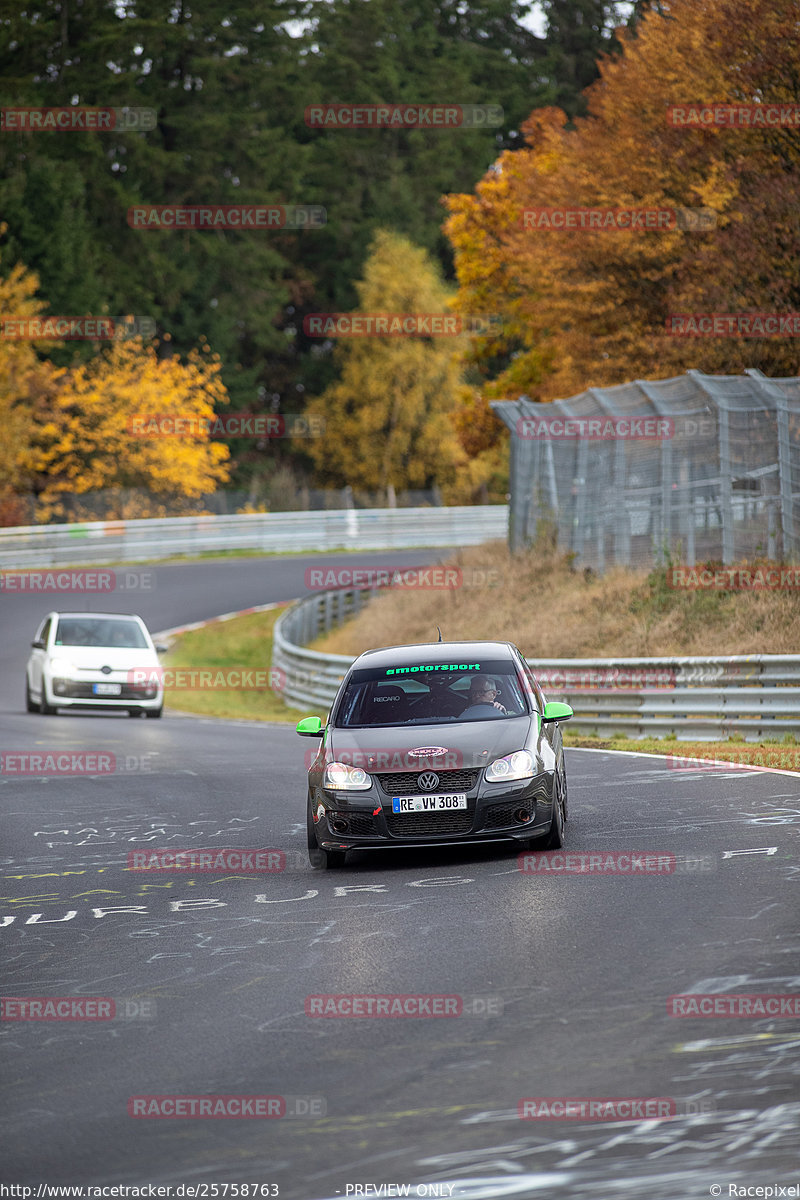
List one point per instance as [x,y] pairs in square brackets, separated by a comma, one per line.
[434,667]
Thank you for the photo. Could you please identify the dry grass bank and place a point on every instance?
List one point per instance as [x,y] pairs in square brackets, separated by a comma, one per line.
[553,611]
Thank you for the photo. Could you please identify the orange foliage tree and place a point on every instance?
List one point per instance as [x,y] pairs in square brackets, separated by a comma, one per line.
[589,307]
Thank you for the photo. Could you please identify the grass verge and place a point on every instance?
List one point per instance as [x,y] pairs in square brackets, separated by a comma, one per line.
[783,755]
[550,609]
[246,642]
[242,643]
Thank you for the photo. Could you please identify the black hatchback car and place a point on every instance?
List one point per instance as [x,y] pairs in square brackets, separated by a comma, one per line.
[435,744]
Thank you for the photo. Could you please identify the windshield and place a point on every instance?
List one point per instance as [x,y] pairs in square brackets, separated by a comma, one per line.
[432,694]
[100,631]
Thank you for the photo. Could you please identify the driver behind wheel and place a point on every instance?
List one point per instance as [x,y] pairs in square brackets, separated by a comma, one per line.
[483,690]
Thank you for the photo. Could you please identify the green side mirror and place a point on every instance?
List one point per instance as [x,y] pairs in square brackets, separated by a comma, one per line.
[554,710]
[312,727]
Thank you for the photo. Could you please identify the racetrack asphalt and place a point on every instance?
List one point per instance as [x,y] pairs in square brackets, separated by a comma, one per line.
[572,972]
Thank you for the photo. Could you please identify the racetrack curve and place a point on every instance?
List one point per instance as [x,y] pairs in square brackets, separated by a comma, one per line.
[581,965]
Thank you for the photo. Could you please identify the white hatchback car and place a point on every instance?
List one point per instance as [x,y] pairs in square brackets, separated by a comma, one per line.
[94,661]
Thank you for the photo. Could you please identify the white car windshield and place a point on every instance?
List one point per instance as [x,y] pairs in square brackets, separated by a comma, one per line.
[100,631]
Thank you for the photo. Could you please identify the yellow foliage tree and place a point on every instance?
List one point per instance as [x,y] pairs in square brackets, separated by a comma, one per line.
[388,418]
[26,383]
[87,441]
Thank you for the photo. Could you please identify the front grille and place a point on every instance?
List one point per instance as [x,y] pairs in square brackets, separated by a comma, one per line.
[500,815]
[404,783]
[429,824]
[83,691]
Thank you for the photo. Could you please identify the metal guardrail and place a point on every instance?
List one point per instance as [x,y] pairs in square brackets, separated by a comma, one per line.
[98,542]
[694,698]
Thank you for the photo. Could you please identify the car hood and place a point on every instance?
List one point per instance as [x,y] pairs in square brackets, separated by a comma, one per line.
[92,658]
[465,743]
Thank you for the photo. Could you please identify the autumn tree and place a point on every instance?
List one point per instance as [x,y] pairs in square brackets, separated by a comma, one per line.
[388,418]
[587,307]
[97,435]
[27,384]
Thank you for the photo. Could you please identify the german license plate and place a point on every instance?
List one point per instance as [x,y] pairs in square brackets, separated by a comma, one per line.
[403,804]
[107,689]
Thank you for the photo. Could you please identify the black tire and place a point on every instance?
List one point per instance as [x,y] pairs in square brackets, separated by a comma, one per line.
[554,838]
[30,704]
[154,713]
[47,710]
[321,860]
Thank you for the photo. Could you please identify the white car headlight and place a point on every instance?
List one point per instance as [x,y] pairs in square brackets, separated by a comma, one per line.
[518,765]
[341,777]
[62,668]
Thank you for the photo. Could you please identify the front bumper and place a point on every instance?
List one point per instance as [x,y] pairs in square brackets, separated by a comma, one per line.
[364,820]
[73,693]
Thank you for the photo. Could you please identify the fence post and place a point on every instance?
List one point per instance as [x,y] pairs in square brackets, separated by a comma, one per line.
[725,490]
[666,495]
[622,536]
[785,481]
[580,486]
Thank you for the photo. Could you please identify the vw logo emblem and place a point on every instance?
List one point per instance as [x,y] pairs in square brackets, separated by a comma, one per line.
[106,670]
[428,780]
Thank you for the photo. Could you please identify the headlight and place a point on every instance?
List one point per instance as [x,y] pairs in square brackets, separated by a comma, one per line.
[344,778]
[518,765]
[62,668]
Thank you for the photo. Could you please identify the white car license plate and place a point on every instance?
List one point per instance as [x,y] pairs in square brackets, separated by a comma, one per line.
[402,804]
[107,689]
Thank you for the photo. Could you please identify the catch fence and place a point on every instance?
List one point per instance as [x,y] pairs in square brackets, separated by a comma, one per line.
[696,468]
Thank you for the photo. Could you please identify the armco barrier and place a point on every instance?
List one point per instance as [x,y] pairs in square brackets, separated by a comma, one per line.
[98,542]
[757,695]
